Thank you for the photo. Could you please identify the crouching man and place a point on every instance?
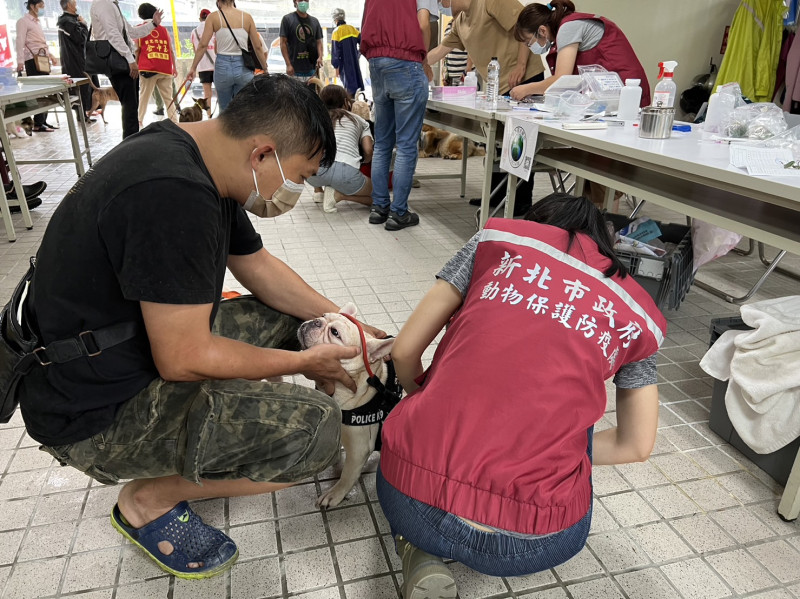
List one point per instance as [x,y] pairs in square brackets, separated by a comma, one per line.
[158,381]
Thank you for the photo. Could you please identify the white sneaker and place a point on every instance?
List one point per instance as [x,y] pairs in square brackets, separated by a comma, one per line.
[329,200]
[318,196]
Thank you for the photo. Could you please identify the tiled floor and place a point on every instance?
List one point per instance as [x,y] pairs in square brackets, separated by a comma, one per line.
[697,521]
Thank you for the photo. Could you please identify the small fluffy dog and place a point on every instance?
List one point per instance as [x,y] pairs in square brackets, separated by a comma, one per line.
[100,97]
[21,129]
[358,439]
[437,142]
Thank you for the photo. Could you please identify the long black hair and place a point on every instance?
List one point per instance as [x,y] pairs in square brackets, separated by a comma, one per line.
[338,102]
[578,215]
[536,14]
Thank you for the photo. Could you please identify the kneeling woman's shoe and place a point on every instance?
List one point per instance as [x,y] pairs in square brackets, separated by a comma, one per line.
[424,575]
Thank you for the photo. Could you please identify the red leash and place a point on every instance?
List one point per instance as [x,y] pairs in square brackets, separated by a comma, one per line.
[363,343]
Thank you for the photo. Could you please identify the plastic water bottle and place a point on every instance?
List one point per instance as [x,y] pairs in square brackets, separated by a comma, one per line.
[630,97]
[493,82]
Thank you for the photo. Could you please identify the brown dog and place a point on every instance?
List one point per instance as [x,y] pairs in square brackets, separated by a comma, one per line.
[100,97]
[192,114]
[316,83]
[437,142]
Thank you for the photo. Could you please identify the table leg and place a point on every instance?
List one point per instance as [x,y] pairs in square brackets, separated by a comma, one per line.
[73,133]
[740,300]
[15,178]
[765,262]
[511,195]
[486,192]
[83,127]
[789,507]
[465,151]
[580,183]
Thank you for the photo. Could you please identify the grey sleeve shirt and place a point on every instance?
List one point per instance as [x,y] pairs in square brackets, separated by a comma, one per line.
[587,33]
[458,272]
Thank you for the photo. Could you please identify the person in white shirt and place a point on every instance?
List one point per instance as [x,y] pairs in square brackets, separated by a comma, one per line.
[205,68]
[109,24]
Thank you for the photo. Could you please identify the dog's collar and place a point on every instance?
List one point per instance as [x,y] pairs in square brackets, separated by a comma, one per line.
[376,409]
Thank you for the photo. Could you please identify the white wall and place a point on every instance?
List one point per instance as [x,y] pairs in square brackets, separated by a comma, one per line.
[689,31]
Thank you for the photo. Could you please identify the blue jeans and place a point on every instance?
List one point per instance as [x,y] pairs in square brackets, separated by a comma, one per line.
[400,92]
[440,533]
[229,77]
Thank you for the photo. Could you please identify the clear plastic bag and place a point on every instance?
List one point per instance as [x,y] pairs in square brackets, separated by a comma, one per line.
[754,121]
[572,105]
[788,139]
[709,242]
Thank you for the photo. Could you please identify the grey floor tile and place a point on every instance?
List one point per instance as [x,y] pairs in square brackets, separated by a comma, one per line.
[9,545]
[91,570]
[708,494]
[255,540]
[31,580]
[472,585]
[695,579]
[256,579]
[308,570]
[629,509]
[677,467]
[532,581]
[600,588]
[359,559]
[713,460]
[742,525]
[646,584]
[48,541]
[743,573]
[329,593]
[350,523]
[373,588]
[617,551]
[780,558]
[244,510]
[745,487]
[300,532]
[670,501]
[584,564]
[148,589]
[16,513]
[660,542]
[606,480]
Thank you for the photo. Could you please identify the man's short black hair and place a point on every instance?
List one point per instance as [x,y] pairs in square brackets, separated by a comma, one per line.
[147,10]
[286,110]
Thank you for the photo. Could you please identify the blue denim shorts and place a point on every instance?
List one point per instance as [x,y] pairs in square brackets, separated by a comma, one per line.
[344,178]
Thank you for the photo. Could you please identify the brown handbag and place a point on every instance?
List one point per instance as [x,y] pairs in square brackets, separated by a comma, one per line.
[42,61]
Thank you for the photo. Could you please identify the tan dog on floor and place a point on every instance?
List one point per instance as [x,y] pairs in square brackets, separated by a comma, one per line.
[20,129]
[437,142]
[358,441]
[316,83]
[100,97]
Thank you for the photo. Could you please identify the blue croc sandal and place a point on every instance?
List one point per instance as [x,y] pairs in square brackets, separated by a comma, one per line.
[192,540]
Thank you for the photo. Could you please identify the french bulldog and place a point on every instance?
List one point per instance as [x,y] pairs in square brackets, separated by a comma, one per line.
[358,441]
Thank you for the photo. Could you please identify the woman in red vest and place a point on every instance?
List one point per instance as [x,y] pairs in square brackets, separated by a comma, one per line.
[157,68]
[571,39]
[488,460]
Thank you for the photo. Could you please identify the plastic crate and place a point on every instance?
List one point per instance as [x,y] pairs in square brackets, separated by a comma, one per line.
[777,464]
[667,278]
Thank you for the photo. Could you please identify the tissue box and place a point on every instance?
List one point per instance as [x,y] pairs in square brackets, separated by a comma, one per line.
[451,92]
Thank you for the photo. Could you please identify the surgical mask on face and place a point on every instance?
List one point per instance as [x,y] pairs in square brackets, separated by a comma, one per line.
[41,12]
[302,6]
[445,10]
[539,49]
[283,200]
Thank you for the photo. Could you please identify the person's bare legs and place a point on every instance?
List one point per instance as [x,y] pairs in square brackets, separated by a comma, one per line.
[364,195]
[207,97]
[142,501]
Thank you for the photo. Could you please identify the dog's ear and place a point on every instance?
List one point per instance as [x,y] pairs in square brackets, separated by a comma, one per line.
[349,308]
[379,348]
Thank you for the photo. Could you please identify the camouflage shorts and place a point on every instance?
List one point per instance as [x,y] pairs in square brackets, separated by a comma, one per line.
[266,432]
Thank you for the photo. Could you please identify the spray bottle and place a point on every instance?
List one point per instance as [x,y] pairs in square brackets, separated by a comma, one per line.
[664,96]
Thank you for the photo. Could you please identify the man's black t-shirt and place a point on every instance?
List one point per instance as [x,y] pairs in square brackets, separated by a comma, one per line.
[144,224]
[301,37]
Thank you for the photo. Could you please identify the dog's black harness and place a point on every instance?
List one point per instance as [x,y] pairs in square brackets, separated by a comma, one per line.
[387,395]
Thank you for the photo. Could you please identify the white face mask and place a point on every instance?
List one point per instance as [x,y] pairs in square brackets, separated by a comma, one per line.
[283,200]
[540,49]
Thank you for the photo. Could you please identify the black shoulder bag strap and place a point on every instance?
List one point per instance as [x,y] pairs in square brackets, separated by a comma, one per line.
[233,35]
[207,53]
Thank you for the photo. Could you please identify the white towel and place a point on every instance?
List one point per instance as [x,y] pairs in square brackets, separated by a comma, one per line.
[762,368]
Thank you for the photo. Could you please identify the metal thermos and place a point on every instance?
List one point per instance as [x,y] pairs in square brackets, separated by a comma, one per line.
[656,123]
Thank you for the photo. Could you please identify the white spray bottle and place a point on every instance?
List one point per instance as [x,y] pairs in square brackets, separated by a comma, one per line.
[664,95]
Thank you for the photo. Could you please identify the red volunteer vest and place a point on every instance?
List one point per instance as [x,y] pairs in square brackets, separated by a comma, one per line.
[614,52]
[154,52]
[497,433]
[390,29]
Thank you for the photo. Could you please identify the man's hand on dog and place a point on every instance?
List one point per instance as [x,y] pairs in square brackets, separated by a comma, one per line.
[324,366]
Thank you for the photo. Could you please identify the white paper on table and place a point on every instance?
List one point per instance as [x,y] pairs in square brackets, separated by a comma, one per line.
[762,162]
[519,146]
